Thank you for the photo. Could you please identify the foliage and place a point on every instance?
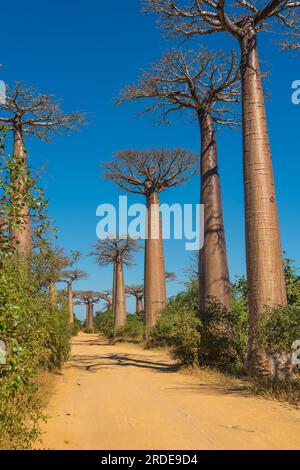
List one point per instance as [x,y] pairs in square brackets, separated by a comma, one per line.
[292,282]
[37,337]
[179,327]
[132,331]
[225,336]
[104,323]
[77,326]
[278,329]
[11,169]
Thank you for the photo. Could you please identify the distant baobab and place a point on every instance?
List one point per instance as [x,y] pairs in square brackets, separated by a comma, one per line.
[138,293]
[89,299]
[69,277]
[118,253]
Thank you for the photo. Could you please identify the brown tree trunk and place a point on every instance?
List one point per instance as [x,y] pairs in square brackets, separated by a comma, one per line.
[155,282]
[53,295]
[70,302]
[114,289]
[120,298]
[139,305]
[213,273]
[264,252]
[21,236]
[90,316]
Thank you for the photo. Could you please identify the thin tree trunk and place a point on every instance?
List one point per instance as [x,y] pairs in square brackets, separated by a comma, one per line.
[120,298]
[139,305]
[114,290]
[21,236]
[264,251]
[70,302]
[213,273]
[155,282]
[90,316]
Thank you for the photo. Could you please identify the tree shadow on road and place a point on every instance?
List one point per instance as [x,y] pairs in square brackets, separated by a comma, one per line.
[94,363]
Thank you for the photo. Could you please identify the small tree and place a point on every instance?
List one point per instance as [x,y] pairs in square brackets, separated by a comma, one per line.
[89,299]
[119,253]
[108,300]
[138,293]
[69,277]
[27,112]
[149,173]
[204,84]
[244,20]
[11,215]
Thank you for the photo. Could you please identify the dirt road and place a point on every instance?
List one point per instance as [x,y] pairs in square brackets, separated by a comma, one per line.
[122,397]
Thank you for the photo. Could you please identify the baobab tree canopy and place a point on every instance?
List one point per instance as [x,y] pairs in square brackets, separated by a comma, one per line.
[108,251]
[202,81]
[151,171]
[89,297]
[73,275]
[32,113]
[235,16]
[135,291]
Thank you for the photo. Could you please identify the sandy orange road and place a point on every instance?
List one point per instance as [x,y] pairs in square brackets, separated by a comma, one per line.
[122,397]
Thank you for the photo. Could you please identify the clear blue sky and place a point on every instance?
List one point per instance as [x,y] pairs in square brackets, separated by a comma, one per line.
[85,51]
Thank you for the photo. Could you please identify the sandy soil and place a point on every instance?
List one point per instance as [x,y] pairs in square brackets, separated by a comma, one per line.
[122,397]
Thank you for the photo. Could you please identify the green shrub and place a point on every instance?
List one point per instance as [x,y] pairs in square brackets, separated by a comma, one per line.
[278,329]
[132,331]
[77,327]
[179,329]
[224,336]
[37,337]
[104,323]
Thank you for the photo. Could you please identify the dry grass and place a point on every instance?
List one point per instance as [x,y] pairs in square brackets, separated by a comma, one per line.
[285,392]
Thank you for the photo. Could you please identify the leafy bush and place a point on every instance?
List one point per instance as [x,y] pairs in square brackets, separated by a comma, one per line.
[104,323]
[37,337]
[224,336]
[132,331]
[278,328]
[77,327]
[178,328]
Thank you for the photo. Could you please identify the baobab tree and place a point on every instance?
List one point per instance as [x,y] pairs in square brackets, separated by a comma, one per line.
[244,20]
[138,293]
[170,277]
[119,253]
[292,43]
[24,112]
[69,277]
[89,299]
[149,173]
[205,84]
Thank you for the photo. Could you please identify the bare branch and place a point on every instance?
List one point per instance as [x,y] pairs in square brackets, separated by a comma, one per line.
[40,115]
[199,81]
[151,171]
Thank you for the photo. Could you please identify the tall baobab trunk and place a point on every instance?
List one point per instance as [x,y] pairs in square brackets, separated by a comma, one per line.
[21,235]
[155,282]
[264,252]
[213,265]
[120,299]
[90,316]
[70,303]
[139,305]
